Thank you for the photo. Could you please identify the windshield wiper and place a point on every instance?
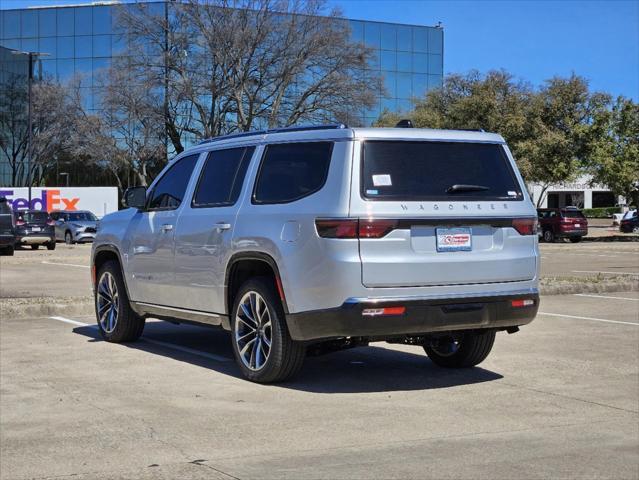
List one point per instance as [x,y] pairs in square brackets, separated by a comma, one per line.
[466,188]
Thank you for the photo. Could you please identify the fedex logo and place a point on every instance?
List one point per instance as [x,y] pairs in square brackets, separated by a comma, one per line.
[49,200]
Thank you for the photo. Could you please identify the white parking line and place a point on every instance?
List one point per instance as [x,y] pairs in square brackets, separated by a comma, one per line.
[191,351]
[611,273]
[636,299]
[587,318]
[65,264]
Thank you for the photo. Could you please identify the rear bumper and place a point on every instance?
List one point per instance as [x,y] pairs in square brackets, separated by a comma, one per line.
[422,316]
[573,233]
[35,239]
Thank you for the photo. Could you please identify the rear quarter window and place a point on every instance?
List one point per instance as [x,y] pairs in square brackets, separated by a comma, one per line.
[292,171]
[426,170]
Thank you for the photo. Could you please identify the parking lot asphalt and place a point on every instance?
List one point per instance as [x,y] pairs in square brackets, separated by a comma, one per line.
[560,399]
[590,258]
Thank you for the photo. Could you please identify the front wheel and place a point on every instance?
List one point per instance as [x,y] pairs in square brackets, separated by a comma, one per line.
[117,322]
[462,350]
[262,346]
[68,239]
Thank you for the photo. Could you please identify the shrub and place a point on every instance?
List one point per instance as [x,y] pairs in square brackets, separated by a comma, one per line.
[604,212]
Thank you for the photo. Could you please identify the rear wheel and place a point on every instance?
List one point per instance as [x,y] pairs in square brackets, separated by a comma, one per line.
[8,251]
[262,346]
[463,350]
[51,245]
[549,237]
[35,247]
[575,239]
[117,322]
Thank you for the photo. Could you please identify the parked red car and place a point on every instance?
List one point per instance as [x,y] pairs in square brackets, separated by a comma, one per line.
[558,223]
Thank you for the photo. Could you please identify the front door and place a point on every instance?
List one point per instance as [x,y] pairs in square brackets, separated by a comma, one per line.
[152,236]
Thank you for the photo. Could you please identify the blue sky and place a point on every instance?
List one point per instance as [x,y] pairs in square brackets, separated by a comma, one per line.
[534,40]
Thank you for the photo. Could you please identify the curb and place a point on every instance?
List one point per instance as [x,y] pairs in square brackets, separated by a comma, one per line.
[612,238]
[603,287]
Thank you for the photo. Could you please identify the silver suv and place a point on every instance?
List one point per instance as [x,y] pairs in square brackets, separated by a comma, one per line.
[327,237]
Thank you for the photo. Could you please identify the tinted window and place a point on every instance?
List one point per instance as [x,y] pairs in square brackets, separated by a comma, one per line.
[397,170]
[32,217]
[82,217]
[291,171]
[572,214]
[222,177]
[169,190]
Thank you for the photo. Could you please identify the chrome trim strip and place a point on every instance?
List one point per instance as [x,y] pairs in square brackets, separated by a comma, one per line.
[527,291]
[151,309]
[176,309]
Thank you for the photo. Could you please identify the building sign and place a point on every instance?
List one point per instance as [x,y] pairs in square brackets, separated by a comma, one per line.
[99,200]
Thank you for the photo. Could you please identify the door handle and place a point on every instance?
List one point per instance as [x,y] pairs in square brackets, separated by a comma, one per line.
[167,227]
[223,226]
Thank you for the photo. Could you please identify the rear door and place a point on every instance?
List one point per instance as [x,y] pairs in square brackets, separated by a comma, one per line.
[205,230]
[441,213]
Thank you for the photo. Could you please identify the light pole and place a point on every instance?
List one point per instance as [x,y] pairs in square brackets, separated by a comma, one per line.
[31,56]
[65,174]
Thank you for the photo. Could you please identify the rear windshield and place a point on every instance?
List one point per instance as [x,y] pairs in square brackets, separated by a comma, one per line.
[32,217]
[572,214]
[82,217]
[400,170]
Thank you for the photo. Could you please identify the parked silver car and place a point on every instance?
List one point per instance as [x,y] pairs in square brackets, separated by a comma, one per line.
[75,226]
[327,237]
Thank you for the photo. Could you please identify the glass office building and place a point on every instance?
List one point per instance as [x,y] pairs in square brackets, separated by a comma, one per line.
[82,39]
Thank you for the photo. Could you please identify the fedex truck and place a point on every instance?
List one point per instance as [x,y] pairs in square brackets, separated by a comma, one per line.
[99,200]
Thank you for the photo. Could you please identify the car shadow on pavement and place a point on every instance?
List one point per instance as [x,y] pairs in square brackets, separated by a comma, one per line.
[358,370]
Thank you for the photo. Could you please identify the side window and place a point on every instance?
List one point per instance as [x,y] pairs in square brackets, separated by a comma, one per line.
[290,171]
[169,190]
[222,177]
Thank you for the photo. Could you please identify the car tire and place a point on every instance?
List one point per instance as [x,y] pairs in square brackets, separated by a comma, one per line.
[467,350]
[635,229]
[35,247]
[117,321]
[51,245]
[575,239]
[68,239]
[549,237]
[257,318]
[8,251]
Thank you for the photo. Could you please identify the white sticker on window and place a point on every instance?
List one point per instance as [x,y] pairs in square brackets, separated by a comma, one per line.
[382,180]
[372,192]
[512,194]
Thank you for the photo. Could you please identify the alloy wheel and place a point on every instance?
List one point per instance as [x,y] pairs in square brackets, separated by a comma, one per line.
[253,331]
[446,347]
[108,302]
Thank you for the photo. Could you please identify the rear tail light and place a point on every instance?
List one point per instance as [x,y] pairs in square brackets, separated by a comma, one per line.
[19,223]
[354,227]
[51,222]
[525,226]
[337,228]
[528,302]
[374,312]
[376,228]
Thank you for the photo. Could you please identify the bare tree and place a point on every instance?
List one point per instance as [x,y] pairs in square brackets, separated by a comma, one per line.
[236,65]
[52,120]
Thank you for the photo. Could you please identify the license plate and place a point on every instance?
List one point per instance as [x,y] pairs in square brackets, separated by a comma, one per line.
[454,240]
[35,229]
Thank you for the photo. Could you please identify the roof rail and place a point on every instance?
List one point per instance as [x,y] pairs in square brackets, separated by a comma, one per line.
[301,128]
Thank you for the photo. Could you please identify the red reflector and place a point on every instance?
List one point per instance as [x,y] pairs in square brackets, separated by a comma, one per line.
[522,303]
[337,227]
[376,228]
[50,222]
[525,226]
[20,222]
[373,312]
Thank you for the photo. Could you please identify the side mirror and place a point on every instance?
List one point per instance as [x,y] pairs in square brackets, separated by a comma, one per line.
[134,197]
